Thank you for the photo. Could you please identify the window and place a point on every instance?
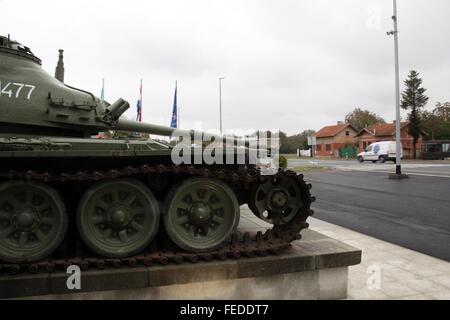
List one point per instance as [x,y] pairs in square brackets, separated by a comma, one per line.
[319,148]
[347,133]
[369,149]
[328,147]
[446,148]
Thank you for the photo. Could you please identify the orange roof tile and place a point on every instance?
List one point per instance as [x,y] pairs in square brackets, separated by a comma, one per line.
[330,131]
[385,129]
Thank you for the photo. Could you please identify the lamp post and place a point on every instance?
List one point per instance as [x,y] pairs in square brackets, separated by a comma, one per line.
[220,101]
[397,92]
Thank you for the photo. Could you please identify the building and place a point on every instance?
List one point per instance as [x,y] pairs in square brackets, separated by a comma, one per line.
[332,140]
[386,132]
[436,150]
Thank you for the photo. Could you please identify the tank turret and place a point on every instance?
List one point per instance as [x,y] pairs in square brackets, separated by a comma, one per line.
[34,103]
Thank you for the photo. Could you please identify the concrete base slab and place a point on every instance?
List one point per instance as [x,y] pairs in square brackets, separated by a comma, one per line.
[315,268]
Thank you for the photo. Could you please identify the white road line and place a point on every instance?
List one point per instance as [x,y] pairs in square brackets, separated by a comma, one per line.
[390,171]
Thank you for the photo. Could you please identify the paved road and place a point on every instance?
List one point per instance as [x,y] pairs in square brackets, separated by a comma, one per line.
[417,168]
[413,213]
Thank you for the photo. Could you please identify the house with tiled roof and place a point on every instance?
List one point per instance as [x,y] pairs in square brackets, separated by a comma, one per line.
[331,139]
[386,132]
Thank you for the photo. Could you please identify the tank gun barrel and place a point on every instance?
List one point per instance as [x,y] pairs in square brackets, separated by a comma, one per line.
[117,109]
[133,126]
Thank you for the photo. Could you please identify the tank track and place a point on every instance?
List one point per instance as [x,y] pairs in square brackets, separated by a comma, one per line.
[273,242]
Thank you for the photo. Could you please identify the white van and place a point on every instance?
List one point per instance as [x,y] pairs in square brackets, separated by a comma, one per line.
[380,151]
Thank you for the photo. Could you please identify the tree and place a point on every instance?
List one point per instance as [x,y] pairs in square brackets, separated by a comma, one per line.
[414,99]
[284,145]
[360,119]
[303,139]
[437,122]
[442,111]
[290,144]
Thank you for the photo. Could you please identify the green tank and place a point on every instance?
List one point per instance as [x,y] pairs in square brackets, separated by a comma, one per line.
[67,196]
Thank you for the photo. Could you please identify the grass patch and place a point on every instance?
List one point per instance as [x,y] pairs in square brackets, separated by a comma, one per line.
[311,169]
[290,156]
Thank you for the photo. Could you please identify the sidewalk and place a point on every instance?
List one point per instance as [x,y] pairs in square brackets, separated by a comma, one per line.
[404,274]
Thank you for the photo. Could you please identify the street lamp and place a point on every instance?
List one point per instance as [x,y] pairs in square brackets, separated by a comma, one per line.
[220,99]
[397,92]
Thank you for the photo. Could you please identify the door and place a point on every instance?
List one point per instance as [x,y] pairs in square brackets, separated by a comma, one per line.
[370,155]
[379,150]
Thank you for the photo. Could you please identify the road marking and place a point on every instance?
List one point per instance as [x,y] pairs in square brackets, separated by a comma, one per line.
[392,171]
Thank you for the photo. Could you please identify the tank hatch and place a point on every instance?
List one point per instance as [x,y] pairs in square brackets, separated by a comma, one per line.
[13,47]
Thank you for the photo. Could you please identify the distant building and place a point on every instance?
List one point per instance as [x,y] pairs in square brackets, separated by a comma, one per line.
[386,132]
[436,149]
[331,139]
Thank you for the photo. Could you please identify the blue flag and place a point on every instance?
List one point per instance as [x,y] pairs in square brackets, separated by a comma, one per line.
[174,123]
[102,95]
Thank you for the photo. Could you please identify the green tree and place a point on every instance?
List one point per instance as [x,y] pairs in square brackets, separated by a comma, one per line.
[442,111]
[413,100]
[284,145]
[360,119]
[437,122]
[290,144]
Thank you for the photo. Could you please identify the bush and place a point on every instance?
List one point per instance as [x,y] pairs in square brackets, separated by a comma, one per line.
[283,162]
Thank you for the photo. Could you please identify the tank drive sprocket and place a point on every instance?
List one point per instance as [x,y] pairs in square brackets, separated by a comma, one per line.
[277,200]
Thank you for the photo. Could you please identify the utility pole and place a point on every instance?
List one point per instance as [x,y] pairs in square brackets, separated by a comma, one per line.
[220,101]
[397,93]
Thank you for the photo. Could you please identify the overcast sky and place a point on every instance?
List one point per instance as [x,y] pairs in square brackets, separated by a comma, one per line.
[289,64]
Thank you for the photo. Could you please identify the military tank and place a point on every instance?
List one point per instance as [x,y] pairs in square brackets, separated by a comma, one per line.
[67,197]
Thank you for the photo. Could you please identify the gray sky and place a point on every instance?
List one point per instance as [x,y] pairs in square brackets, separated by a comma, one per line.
[289,64]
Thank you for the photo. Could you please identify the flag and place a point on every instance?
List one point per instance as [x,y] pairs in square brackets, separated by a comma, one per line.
[102,95]
[139,106]
[174,123]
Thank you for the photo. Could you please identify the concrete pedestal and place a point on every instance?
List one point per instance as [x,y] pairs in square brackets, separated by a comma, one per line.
[316,268]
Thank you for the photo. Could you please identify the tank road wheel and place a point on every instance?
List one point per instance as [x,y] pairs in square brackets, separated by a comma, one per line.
[276,201]
[33,221]
[201,214]
[118,219]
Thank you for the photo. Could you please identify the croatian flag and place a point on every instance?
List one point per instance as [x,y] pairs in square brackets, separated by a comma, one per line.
[174,123]
[139,106]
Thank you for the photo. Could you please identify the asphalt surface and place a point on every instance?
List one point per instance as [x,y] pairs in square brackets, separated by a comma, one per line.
[413,213]
[417,168]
